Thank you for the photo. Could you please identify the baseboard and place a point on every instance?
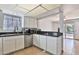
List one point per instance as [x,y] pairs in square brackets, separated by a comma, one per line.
[43,50]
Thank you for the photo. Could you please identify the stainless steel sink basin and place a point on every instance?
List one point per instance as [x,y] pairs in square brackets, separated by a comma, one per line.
[55,34]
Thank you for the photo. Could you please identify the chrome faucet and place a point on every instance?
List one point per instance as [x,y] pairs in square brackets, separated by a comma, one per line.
[15,28]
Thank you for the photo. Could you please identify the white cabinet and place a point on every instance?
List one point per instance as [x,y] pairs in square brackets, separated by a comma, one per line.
[39,41]
[0,46]
[43,42]
[30,22]
[33,23]
[26,22]
[52,44]
[36,40]
[60,45]
[12,43]
[8,44]
[48,43]
[19,42]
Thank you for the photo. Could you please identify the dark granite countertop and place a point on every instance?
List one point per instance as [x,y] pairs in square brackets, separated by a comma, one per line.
[7,34]
[46,33]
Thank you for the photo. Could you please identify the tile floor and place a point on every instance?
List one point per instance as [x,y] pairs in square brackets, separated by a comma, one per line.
[71,47]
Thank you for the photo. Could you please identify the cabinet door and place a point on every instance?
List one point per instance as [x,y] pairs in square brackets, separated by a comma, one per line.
[43,42]
[26,22]
[0,46]
[36,40]
[33,23]
[52,45]
[8,44]
[30,22]
[19,42]
[60,45]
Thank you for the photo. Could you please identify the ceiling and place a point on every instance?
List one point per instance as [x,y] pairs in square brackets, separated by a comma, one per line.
[29,9]
[71,11]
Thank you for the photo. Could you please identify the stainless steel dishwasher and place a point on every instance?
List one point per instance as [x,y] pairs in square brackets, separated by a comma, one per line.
[28,40]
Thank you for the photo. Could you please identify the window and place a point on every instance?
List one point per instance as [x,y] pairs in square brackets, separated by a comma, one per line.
[69,28]
[12,23]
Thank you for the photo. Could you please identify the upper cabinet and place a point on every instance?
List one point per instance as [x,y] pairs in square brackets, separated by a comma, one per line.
[26,22]
[1,21]
[30,22]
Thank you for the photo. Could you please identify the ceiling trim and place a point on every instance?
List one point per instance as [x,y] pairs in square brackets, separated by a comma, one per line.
[23,8]
[33,8]
[43,7]
[48,15]
[29,17]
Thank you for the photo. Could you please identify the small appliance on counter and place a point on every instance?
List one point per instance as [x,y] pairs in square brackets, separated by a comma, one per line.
[34,30]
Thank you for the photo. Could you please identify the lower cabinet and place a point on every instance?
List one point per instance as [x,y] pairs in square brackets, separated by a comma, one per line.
[0,46]
[52,45]
[55,45]
[8,44]
[60,45]
[19,42]
[39,41]
[36,40]
[12,43]
[43,42]
[48,43]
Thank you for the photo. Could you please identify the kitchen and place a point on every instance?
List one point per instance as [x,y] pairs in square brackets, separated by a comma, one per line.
[24,26]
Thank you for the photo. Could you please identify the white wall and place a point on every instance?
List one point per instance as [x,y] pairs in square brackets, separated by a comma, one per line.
[55,26]
[1,21]
[46,24]
[71,11]
[76,28]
